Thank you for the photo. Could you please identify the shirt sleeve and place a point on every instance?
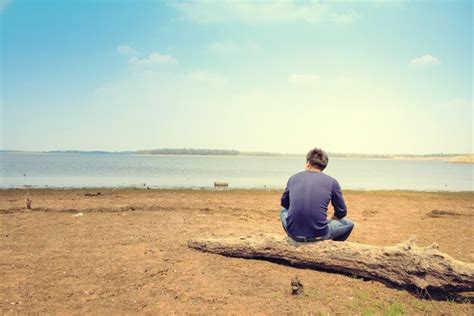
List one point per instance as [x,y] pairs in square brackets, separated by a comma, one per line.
[285,197]
[337,201]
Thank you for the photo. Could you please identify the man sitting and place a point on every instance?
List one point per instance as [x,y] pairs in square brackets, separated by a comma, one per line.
[305,203]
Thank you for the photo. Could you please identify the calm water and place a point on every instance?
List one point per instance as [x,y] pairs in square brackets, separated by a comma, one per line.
[108,170]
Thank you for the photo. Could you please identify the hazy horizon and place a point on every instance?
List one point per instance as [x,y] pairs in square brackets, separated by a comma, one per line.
[233,149]
[379,78]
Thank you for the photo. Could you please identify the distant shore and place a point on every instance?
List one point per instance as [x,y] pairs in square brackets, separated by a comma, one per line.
[463,159]
[453,158]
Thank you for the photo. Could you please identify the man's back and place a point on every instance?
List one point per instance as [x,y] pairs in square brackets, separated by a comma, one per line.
[307,197]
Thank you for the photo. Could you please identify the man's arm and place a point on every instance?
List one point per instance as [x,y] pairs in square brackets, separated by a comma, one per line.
[337,201]
[285,198]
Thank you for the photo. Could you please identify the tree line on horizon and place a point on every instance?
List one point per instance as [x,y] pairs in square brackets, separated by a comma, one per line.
[189,151]
[232,152]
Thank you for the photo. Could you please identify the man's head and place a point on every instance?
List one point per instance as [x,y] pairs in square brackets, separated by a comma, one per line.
[317,158]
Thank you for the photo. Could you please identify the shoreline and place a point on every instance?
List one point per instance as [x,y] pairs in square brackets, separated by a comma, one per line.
[450,158]
[220,189]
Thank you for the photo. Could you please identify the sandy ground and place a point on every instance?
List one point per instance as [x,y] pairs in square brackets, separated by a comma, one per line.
[127,254]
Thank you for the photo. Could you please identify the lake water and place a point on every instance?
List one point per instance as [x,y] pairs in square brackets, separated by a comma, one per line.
[120,170]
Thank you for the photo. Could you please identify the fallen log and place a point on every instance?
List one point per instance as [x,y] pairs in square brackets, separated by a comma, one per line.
[404,265]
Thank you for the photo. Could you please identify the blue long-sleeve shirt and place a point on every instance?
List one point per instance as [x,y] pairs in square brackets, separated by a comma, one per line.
[307,197]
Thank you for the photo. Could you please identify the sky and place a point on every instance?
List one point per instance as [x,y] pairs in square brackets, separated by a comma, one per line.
[381,77]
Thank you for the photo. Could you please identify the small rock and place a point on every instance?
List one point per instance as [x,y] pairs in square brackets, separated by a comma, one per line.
[28,203]
[78,215]
[296,286]
[93,194]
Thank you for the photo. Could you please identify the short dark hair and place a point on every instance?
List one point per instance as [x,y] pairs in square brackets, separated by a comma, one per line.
[317,158]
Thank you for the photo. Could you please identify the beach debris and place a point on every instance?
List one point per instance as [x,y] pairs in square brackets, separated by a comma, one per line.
[220,184]
[442,213]
[78,215]
[405,265]
[296,286]
[93,194]
[28,203]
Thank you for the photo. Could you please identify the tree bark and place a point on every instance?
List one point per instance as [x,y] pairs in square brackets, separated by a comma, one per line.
[403,265]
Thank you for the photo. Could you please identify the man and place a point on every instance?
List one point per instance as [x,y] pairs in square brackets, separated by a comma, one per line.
[305,203]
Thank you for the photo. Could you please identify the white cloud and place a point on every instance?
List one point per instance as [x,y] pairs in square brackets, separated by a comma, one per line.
[303,78]
[425,60]
[3,5]
[203,75]
[126,50]
[311,11]
[153,59]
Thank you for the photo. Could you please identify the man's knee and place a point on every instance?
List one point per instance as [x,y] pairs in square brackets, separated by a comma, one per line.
[344,230]
[349,226]
[349,223]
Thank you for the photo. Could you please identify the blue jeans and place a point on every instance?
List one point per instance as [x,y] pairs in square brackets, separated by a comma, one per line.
[339,229]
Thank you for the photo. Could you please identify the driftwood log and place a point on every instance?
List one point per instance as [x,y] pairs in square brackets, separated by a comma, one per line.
[404,265]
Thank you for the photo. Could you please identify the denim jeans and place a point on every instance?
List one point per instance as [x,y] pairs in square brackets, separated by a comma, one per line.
[339,229]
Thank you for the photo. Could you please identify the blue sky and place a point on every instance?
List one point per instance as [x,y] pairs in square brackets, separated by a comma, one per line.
[280,76]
